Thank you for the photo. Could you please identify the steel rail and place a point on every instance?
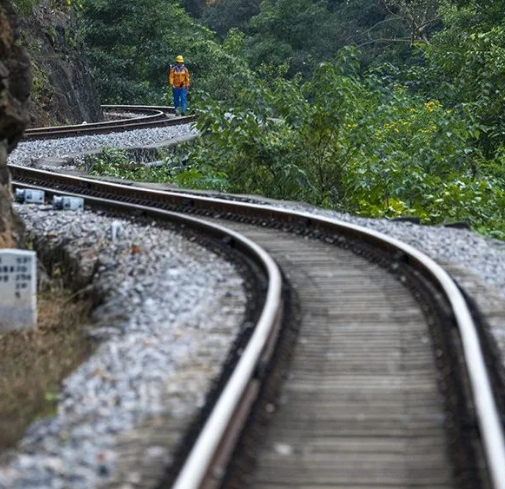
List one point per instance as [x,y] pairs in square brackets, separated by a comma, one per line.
[240,391]
[153,114]
[487,413]
[157,116]
[126,108]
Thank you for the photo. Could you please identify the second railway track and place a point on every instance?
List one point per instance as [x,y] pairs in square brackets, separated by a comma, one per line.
[387,385]
[148,117]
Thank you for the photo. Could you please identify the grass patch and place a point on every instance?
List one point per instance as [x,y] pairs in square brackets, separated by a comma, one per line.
[33,364]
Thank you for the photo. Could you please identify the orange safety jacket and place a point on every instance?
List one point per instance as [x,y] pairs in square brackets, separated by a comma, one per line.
[178,76]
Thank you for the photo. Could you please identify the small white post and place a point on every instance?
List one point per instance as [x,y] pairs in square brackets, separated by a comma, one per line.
[18,290]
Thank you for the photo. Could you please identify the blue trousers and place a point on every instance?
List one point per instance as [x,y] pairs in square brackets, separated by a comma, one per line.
[180,99]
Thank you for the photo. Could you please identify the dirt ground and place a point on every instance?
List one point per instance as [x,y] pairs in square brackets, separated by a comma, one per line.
[33,364]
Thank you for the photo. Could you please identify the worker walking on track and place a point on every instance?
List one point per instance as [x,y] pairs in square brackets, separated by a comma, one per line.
[178,79]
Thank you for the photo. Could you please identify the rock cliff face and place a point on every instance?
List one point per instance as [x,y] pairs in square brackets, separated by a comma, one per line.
[63,90]
[14,96]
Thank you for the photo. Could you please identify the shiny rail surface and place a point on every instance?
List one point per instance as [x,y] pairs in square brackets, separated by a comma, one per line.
[150,116]
[201,461]
[360,404]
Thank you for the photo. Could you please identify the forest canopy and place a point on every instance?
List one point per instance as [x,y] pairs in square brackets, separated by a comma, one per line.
[376,107]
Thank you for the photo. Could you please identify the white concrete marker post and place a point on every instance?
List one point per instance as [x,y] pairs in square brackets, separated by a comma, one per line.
[18,290]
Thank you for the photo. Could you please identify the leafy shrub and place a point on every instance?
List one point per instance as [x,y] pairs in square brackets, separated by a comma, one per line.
[25,7]
[353,143]
[116,163]
[465,68]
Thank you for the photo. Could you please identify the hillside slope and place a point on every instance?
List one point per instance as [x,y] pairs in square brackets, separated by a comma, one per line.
[63,90]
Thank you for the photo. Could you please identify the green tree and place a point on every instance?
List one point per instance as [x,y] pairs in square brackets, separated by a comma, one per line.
[299,32]
[127,46]
[132,43]
[307,32]
[194,7]
[417,15]
[353,143]
[466,68]
[228,14]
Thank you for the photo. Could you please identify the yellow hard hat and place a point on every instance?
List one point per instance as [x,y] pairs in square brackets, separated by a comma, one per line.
[179,59]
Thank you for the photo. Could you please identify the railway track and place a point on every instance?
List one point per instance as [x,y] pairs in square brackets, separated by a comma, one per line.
[381,382]
[148,116]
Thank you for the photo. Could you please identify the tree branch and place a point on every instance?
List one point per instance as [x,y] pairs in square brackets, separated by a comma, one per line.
[382,39]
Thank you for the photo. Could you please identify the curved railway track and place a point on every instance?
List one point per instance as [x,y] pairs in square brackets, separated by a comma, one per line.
[387,385]
[148,116]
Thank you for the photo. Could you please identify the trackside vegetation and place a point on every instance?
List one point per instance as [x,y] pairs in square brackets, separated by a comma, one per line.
[397,119]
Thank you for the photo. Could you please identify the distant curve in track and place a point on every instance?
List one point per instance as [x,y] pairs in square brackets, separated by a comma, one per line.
[149,116]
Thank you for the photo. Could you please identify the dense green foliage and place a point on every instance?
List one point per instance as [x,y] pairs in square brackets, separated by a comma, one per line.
[127,46]
[410,124]
[306,32]
[359,145]
[229,14]
[116,163]
[466,66]
[25,7]
[132,44]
